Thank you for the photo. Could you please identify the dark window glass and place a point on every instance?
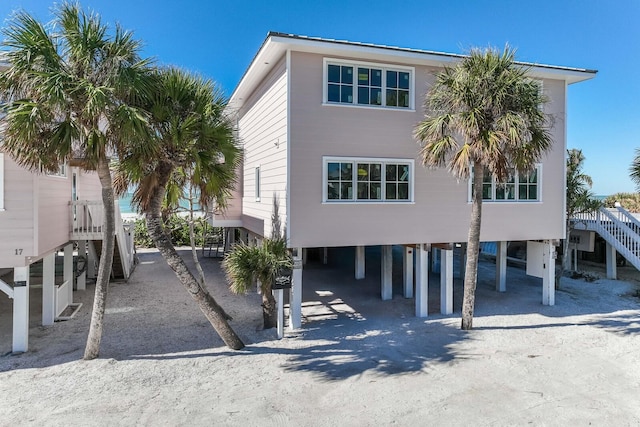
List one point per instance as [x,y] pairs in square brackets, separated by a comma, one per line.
[403,191]
[403,80]
[376,78]
[376,96]
[347,75]
[403,98]
[363,76]
[333,171]
[392,100]
[392,173]
[333,73]
[392,79]
[333,93]
[391,191]
[347,94]
[363,95]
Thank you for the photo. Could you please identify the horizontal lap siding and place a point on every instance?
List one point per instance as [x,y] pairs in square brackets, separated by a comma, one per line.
[441,210]
[54,195]
[263,133]
[16,221]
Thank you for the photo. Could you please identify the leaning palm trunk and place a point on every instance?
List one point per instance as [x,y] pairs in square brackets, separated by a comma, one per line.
[92,348]
[473,249]
[212,311]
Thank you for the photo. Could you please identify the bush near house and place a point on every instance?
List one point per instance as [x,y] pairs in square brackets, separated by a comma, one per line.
[629,201]
[179,227]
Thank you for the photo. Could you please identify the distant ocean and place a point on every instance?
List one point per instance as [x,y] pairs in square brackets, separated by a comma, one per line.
[127,208]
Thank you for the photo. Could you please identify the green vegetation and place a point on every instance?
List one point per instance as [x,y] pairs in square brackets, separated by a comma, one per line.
[483,115]
[179,228]
[629,201]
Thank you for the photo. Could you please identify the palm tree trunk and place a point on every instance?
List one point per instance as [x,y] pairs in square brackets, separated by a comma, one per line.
[473,249]
[213,312]
[269,309]
[92,348]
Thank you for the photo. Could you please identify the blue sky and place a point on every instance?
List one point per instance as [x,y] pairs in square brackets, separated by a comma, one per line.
[219,38]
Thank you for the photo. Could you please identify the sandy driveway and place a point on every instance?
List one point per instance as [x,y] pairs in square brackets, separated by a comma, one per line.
[356,361]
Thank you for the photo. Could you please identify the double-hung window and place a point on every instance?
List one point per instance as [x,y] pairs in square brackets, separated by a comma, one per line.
[366,84]
[521,187]
[367,180]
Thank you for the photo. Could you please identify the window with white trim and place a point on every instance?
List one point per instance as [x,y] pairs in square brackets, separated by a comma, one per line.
[367,180]
[1,181]
[257,184]
[366,84]
[518,187]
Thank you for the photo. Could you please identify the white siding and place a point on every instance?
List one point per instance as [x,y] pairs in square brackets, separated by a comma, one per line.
[263,133]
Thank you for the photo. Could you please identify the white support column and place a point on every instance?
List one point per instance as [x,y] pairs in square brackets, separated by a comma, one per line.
[325,255]
[501,266]
[278,294]
[446,281]
[295,297]
[359,262]
[68,269]
[82,278]
[549,274]
[435,260]
[408,271]
[92,258]
[422,281]
[612,267]
[463,261]
[386,285]
[49,289]
[20,309]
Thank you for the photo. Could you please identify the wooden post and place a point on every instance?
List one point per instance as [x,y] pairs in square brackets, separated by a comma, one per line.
[612,267]
[82,278]
[359,262]
[68,270]
[49,289]
[548,274]
[446,281]
[408,271]
[422,281]
[279,296]
[386,275]
[20,309]
[501,266]
[295,296]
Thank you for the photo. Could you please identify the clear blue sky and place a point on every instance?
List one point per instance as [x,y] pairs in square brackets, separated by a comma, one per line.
[219,38]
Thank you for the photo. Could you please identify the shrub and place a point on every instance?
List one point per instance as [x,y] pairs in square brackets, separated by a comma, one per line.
[179,229]
[629,201]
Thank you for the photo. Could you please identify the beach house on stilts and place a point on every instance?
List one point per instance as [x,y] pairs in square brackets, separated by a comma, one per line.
[51,228]
[327,129]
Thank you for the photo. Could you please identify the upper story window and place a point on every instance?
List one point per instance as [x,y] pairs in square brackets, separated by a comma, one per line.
[366,84]
[60,172]
[257,184]
[367,180]
[517,187]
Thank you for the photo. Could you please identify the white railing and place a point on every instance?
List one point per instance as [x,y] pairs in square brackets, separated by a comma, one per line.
[618,228]
[87,219]
[62,297]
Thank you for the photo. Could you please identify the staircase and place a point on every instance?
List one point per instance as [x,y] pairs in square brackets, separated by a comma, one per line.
[87,217]
[618,227]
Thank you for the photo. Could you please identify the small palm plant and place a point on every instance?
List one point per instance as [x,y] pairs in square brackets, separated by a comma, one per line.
[246,264]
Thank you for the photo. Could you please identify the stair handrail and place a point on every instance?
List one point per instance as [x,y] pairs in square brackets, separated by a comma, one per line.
[126,255]
[628,243]
[629,216]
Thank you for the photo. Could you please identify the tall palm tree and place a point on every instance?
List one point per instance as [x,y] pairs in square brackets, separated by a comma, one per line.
[579,199]
[67,95]
[191,143]
[483,114]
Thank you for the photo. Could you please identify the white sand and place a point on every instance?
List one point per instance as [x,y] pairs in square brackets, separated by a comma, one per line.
[356,361]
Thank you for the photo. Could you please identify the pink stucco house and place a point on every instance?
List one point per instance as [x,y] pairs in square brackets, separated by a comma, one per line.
[327,126]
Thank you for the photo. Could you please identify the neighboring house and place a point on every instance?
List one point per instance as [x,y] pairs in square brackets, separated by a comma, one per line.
[327,128]
[41,214]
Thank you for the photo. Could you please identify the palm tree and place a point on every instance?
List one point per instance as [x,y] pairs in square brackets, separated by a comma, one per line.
[67,95]
[483,114]
[579,199]
[246,264]
[192,143]
[634,169]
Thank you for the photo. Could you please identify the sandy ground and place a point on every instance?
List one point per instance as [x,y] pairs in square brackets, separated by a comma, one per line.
[356,361]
